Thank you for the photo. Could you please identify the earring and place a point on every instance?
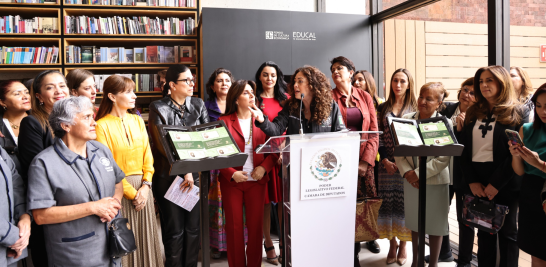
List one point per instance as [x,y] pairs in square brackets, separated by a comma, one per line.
[5,107]
[41,103]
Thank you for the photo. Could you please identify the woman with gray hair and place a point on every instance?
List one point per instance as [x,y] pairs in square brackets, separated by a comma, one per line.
[74,188]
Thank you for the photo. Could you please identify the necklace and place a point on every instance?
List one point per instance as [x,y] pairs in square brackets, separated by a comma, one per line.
[250,135]
[13,125]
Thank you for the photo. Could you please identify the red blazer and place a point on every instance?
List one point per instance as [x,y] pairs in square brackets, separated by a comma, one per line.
[267,161]
[364,102]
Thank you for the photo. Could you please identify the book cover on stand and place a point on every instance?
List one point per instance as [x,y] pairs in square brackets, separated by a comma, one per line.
[186,54]
[151,54]
[113,55]
[87,54]
[169,54]
[432,131]
[139,55]
[129,56]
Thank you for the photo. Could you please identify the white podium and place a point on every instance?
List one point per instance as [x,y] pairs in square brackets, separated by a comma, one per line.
[319,177]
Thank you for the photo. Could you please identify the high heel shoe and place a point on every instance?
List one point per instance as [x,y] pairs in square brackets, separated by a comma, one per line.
[274,260]
[401,261]
[391,260]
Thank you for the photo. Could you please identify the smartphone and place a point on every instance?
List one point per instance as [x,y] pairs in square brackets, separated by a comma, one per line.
[514,137]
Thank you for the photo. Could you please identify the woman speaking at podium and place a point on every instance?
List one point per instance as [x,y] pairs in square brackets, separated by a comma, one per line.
[245,185]
[310,107]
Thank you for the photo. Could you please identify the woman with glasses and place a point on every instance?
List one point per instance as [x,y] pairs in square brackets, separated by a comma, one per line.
[180,228]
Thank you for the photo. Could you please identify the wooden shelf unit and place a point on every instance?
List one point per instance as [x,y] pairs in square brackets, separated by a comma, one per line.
[62,40]
[129,13]
[31,4]
[129,43]
[29,13]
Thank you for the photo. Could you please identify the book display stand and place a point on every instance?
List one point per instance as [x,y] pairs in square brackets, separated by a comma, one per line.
[319,178]
[203,166]
[424,151]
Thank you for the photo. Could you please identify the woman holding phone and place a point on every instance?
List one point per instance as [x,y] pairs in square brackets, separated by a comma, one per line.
[529,161]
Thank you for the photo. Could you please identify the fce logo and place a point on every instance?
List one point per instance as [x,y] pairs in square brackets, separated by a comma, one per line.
[276,35]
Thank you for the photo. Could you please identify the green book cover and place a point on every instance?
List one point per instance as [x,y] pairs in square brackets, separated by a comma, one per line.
[406,134]
[435,133]
[197,145]
[218,142]
[188,145]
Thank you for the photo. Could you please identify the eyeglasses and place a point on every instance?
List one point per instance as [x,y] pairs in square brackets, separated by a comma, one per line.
[188,81]
[468,92]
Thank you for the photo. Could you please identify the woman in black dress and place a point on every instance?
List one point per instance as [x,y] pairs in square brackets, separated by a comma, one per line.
[529,161]
[486,158]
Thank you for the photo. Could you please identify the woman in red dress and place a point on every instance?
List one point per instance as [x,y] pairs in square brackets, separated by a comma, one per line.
[270,96]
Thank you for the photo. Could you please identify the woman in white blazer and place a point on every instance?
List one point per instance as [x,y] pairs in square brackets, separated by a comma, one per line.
[430,100]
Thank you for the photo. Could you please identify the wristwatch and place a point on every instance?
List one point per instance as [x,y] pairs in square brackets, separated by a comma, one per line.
[147,183]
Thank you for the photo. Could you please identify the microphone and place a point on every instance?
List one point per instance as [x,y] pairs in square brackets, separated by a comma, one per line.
[301,104]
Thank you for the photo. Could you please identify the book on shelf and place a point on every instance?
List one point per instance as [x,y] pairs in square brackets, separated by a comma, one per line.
[129,56]
[138,55]
[17,24]
[192,144]
[128,26]
[432,131]
[29,1]
[187,54]
[158,3]
[144,82]
[29,55]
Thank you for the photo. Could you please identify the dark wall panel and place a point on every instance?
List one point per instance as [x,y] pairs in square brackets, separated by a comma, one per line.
[242,39]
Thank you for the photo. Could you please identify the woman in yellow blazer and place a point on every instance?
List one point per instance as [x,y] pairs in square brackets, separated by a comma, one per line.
[125,134]
[430,100]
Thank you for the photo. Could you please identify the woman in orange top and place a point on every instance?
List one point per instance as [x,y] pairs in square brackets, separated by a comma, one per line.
[125,134]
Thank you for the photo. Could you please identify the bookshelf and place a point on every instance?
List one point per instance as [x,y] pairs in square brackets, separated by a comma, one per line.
[63,39]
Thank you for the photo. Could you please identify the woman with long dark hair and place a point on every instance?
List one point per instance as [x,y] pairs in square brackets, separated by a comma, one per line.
[217,89]
[487,161]
[245,185]
[271,95]
[35,135]
[529,161]
[391,218]
[125,135]
[179,227]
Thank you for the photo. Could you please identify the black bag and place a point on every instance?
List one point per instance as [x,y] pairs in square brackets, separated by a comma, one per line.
[121,240]
[483,214]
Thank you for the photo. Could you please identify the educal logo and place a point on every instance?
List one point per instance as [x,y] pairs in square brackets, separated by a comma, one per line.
[304,36]
[325,165]
[276,35]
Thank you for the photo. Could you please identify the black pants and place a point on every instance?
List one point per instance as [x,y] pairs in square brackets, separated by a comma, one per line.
[37,245]
[466,233]
[180,228]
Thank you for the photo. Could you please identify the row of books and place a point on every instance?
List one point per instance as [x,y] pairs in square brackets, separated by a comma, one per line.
[16,24]
[165,3]
[143,82]
[148,54]
[126,25]
[29,1]
[29,55]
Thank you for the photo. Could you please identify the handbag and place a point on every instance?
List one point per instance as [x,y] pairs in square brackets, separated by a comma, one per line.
[367,210]
[121,240]
[483,214]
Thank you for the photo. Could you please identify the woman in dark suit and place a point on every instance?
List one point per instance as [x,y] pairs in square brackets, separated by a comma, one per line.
[180,228]
[487,160]
[245,185]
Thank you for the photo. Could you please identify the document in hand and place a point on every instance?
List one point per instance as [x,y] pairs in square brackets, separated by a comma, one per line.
[185,200]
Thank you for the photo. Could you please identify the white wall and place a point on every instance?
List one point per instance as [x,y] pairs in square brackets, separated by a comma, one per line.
[346,6]
[286,5]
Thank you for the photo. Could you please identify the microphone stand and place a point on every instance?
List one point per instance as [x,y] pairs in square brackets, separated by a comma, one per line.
[301,104]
